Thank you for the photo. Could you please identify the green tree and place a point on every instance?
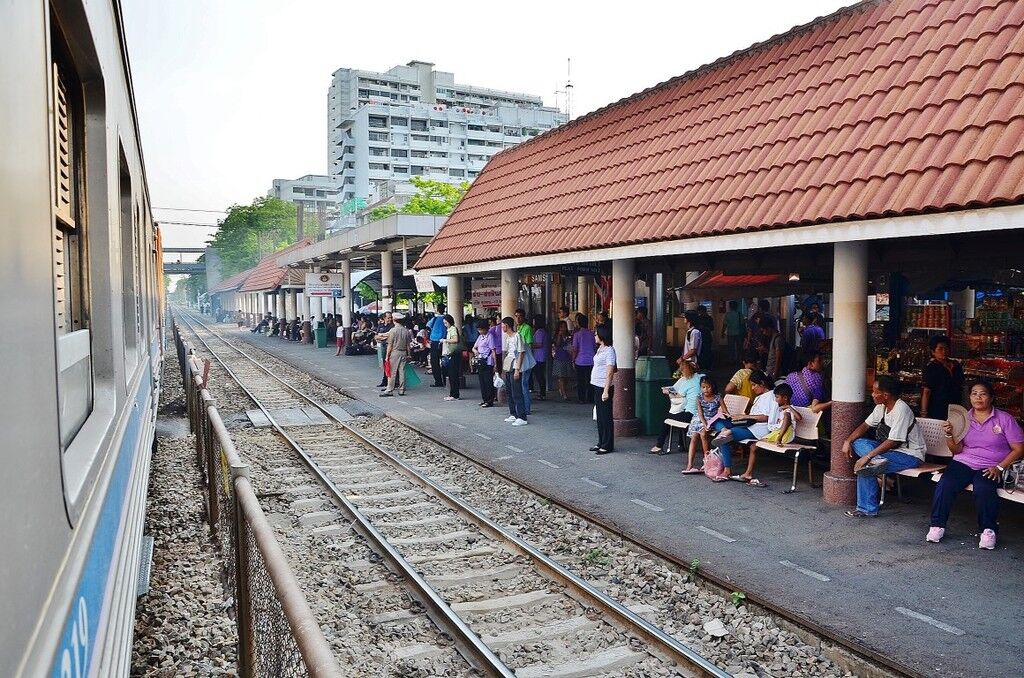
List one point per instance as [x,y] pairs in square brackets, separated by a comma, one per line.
[250,232]
[431,197]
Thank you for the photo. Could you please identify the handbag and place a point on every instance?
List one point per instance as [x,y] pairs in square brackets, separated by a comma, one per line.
[446,360]
[1013,477]
[713,465]
[497,381]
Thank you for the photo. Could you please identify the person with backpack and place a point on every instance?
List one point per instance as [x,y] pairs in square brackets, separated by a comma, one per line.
[693,346]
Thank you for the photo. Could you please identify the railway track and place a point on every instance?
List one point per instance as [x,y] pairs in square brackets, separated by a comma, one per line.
[510,609]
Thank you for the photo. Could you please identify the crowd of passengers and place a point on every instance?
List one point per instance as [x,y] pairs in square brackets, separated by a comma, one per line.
[511,353]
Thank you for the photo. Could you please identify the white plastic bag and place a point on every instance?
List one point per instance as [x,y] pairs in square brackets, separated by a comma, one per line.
[498,381]
[595,412]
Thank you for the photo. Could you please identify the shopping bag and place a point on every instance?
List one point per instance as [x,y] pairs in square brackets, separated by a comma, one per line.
[498,381]
[387,369]
[411,378]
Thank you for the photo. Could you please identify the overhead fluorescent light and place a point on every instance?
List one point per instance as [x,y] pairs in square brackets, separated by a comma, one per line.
[794,277]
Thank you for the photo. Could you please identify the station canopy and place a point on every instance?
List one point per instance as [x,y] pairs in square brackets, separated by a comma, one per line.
[888,108]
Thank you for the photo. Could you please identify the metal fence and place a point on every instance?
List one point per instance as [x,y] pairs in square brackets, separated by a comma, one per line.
[277,632]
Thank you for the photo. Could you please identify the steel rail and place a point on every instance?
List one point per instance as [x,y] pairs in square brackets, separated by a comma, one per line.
[470,645]
[677,651]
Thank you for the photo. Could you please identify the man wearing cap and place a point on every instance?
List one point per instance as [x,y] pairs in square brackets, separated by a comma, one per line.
[398,340]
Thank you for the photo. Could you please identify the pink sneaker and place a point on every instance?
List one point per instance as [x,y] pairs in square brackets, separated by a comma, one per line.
[988,540]
[935,534]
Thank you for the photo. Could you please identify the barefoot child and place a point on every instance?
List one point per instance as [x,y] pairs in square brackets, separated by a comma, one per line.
[781,429]
[710,413]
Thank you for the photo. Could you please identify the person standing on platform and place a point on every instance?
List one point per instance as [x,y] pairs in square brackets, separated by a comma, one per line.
[451,357]
[601,382]
[694,339]
[561,371]
[943,381]
[540,354]
[564,316]
[583,357]
[485,354]
[514,352]
[732,330]
[398,342]
[525,330]
[437,334]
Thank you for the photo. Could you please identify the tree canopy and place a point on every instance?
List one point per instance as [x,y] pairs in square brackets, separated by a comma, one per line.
[431,197]
[250,232]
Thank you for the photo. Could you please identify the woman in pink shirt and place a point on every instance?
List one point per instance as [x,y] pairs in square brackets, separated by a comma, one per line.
[994,440]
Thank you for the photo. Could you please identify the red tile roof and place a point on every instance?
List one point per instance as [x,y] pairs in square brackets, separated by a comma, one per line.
[885,108]
[268,275]
[232,282]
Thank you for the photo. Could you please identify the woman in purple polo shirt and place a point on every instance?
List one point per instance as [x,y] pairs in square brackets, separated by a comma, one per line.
[994,440]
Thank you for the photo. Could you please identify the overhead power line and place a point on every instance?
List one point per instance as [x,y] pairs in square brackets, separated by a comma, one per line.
[184,223]
[190,209]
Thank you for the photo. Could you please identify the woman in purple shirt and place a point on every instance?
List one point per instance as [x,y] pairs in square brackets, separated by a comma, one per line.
[994,440]
[583,345]
[483,355]
[540,354]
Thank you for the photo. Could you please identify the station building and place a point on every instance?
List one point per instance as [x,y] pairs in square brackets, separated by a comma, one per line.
[875,152]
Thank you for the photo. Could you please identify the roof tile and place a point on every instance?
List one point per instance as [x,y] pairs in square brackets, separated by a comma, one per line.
[268,274]
[888,107]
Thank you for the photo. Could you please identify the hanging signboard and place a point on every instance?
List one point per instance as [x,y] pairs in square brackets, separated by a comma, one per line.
[424,283]
[580,269]
[486,294]
[323,284]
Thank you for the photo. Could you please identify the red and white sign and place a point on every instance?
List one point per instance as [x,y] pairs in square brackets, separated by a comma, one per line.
[323,284]
[486,294]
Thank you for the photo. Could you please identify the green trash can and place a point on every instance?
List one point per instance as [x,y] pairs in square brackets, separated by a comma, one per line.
[320,335]
[652,374]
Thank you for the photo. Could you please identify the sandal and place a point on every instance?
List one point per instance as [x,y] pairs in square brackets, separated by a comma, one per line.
[692,471]
[739,478]
[655,450]
[720,479]
[754,482]
[861,514]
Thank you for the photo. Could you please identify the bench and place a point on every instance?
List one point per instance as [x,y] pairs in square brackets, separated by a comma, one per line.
[935,446]
[806,439]
[674,424]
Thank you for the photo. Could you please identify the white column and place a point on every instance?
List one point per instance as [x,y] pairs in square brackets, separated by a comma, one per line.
[280,304]
[623,271]
[313,303]
[850,313]
[455,299]
[387,282]
[290,305]
[509,292]
[583,295]
[346,305]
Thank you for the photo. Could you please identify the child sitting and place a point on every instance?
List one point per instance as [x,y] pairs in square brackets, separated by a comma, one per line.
[711,412]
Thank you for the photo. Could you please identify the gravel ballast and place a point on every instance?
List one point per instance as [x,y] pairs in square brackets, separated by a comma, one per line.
[182,626]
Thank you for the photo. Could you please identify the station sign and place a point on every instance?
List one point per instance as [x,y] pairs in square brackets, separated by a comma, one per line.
[424,282]
[486,294]
[580,269]
[324,285]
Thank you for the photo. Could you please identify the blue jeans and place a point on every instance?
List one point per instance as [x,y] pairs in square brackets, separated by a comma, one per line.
[526,390]
[514,391]
[738,433]
[867,477]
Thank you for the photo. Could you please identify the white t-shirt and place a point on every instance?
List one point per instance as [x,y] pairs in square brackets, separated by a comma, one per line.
[603,358]
[693,341]
[902,428]
[765,404]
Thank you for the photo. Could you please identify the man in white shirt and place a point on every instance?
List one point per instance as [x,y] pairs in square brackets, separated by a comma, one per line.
[764,415]
[564,315]
[693,341]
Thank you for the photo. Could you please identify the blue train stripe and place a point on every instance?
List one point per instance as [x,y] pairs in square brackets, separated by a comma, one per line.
[74,658]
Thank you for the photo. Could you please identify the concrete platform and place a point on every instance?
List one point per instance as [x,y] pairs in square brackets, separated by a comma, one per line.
[944,610]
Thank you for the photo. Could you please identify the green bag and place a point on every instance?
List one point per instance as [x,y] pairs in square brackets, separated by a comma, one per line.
[411,377]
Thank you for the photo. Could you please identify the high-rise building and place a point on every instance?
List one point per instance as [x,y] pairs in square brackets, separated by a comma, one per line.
[414,121]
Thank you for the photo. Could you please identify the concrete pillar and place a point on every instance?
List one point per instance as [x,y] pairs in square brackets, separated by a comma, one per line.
[290,305]
[509,292]
[583,295]
[346,303]
[624,399]
[455,299]
[279,298]
[387,282]
[850,313]
[657,314]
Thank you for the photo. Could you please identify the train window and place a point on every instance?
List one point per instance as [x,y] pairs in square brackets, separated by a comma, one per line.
[70,265]
[129,271]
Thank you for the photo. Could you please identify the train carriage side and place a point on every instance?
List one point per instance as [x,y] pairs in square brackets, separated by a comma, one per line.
[81,349]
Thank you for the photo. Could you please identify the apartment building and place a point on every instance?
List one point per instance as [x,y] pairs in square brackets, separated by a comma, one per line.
[415,121]
[313,191]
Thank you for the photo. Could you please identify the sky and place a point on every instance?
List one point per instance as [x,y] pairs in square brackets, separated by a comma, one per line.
[232,94]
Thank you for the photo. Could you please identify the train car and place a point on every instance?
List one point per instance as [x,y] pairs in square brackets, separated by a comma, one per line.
[81,346]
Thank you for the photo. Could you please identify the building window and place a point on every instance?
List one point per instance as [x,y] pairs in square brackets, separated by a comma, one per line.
[350,180]
[399,153]
[418,125]
[378,166]
[420,137]
[399,122]
[378,152]
[378,136]
[437,140]
[456,173]
[417,170]
[398,169]
[419,154]
[378,121]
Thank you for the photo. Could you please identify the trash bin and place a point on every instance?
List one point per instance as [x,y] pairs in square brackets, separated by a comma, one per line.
[652,374]
[320,334]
